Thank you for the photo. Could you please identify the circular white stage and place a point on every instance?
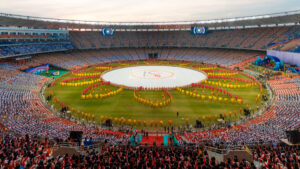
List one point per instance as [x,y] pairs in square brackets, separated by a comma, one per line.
[153,76]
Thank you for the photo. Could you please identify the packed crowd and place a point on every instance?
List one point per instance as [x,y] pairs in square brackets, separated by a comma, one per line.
[219,56]
[269,127]
[4,37]
[32,49]
[24,112]
[7,66]
[6,74]
[26,152]
[294,80]
[24,79]
[74,59]
[279,156]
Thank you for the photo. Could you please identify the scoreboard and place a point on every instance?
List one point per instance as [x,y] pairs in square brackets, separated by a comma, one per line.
[199,30]
[107,31]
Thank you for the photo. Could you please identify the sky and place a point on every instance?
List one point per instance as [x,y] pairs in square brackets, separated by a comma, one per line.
[146,10]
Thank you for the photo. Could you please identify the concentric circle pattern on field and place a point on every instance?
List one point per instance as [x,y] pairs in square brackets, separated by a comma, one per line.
[154,76]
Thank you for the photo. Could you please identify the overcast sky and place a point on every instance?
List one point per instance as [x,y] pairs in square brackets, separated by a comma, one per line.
[145,10]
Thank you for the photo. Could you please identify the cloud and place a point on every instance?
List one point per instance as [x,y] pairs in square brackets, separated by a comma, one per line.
[145,10]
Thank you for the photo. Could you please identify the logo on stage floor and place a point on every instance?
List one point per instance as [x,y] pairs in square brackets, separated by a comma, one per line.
[152,74]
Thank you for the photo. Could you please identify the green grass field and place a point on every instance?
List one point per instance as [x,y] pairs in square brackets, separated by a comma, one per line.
[124,105]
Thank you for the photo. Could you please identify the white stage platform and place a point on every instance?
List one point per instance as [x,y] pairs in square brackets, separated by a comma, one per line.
[154,76]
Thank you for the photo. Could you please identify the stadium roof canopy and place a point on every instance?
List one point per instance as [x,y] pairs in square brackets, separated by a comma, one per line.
[267,20]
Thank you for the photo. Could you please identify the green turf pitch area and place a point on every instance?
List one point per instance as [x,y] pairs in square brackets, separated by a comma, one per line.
[123,105]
